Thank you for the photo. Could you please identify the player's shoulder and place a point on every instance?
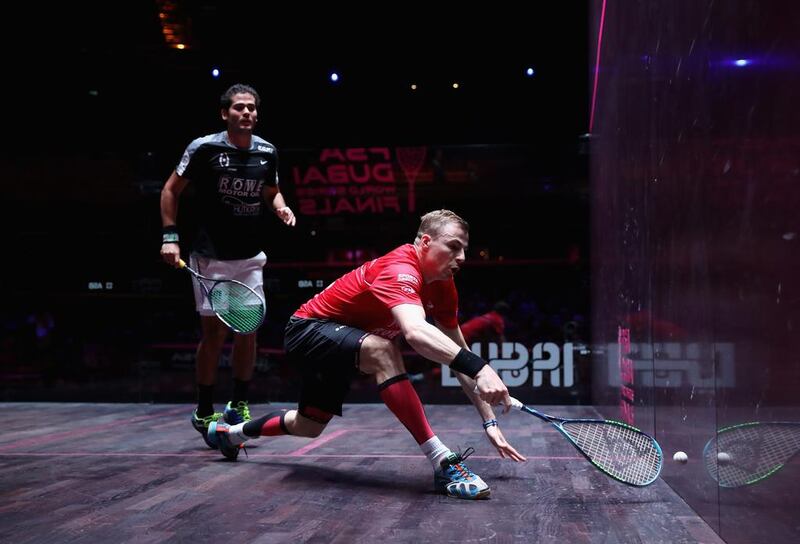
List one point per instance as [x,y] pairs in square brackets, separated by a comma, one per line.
[260,144]
[404,255]
[403,263]
[218,138]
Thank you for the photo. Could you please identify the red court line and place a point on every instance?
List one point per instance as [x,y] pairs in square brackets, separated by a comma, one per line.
[291,455]
[319,442]
[81,429]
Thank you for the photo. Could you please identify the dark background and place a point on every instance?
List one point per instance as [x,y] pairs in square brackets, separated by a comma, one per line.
[102,107]
[149,95]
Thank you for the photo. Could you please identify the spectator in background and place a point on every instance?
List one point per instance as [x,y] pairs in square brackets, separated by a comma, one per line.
[489,327]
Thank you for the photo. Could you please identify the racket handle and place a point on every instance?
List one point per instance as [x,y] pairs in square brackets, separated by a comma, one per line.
[181,263]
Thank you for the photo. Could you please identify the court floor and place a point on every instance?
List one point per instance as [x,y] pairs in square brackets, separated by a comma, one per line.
[78,472]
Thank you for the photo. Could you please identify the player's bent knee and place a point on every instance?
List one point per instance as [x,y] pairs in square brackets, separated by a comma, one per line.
[379,355]
[307,428]
[314,432]
[310,422]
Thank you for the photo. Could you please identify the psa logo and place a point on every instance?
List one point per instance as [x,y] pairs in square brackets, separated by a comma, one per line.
[511,361]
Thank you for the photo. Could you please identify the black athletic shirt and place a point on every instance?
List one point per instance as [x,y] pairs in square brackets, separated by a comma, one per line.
[228,182]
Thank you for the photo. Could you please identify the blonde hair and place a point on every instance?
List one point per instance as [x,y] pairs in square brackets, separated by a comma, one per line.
[432,223]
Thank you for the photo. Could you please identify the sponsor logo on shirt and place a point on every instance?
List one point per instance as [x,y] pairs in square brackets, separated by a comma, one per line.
[408,278]
[224,160]
[236,186]
[241,208]
[265,149]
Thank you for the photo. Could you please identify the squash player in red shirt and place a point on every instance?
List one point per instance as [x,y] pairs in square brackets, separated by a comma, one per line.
[351,327]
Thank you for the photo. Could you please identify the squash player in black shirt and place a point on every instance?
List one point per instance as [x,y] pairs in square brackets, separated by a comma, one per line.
[235,177]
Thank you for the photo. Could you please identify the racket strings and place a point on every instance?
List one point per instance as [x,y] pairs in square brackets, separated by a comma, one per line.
[754,451]
[237,305]
[622,452]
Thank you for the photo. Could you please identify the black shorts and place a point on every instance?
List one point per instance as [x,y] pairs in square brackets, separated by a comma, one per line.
[326,353]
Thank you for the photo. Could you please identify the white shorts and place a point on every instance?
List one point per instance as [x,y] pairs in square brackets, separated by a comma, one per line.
[248,271]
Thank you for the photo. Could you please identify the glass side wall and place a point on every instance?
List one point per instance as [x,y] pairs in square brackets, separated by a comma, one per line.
[696,294]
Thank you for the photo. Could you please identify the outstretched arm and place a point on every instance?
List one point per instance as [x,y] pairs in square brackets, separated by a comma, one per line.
[433,344]
[493,432]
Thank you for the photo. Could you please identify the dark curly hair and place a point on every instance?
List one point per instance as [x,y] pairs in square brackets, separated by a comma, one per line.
[226,100]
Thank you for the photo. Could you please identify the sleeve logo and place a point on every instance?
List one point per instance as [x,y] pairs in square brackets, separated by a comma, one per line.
[408,278]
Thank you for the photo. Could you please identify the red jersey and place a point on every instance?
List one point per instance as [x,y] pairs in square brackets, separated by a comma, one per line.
[364,297]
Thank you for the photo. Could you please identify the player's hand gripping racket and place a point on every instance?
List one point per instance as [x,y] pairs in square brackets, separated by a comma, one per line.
[623,452]
[236,305]
[748,453]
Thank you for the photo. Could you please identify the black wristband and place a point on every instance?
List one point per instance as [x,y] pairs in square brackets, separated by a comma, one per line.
[169,235]
[467,363]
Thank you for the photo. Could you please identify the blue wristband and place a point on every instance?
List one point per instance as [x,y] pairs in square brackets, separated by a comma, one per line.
[489,423]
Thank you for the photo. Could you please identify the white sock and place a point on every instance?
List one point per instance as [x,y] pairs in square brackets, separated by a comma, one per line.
[435,451]
[236,434]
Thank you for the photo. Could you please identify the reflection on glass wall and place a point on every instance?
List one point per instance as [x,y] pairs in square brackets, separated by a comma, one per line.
[696,296]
